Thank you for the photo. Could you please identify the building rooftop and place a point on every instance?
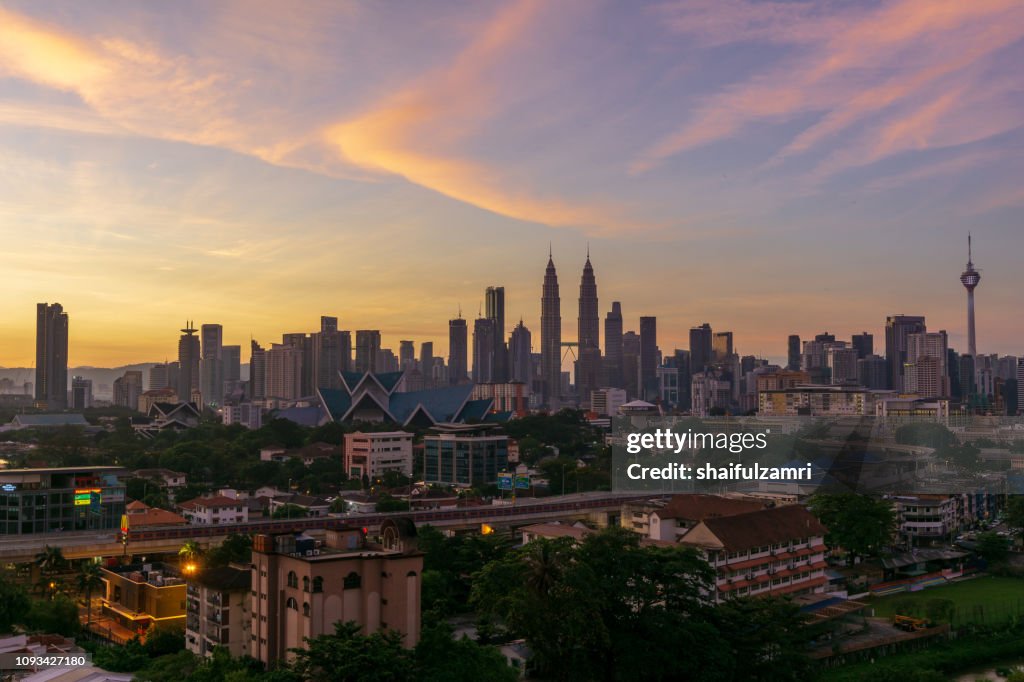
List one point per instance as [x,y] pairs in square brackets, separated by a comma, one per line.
[759,528]
[224,578]
[210,502]
[696,507]
[28,420]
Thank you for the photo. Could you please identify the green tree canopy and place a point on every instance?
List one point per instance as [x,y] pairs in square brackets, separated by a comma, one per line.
[860,524]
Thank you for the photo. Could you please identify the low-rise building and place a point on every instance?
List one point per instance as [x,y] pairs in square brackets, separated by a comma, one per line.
[768,552]
[215,510]
[249,415]
[313,506]
[164,477]
[217,612]
[139,596]
[821,401]
[927,517]
[672,520]
[464,457]
[301,587]
[43,500]
[140,515]
[371,454]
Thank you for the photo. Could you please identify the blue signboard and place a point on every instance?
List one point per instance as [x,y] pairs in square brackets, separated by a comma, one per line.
[504,481]
[522,482]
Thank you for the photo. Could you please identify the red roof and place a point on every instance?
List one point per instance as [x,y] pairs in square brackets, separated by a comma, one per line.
[697,507]
[778,525]
[214,502]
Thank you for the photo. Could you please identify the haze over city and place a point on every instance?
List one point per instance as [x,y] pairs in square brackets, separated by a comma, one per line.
[765,167]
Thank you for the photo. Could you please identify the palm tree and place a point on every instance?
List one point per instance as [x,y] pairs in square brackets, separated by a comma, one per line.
[190,550]
[89,579]
[543,567]
[50,560]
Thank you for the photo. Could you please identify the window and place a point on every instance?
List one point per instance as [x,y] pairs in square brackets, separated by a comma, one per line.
[353,581]
[305,608]
[293,579]
[305,583]
[318,584]
[292,604]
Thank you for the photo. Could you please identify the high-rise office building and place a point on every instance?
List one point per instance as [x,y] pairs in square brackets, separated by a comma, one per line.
[897,329]
[367,348]
[257,371]
[842,365]
[211,368]
[864,344]
[794,348]
[231,364]
[721,346]
[81,393]
[51,356]
[427,358]
[284,371]
[406,355]
[701,348]
[649,357]
[188,363]
[588,364]
[926,362]
[483,351]
[331,353]
[520,351]
[304,344]
[458,350]
[494,302]
[631,363]
[970,279]
[127,389]
[613,346]
[164,375]
[872,372]
[551,336]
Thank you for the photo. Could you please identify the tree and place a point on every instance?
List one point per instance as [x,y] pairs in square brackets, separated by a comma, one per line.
[347,656]
[992,546]
[190,551]
[440,658]
[386,503]
[59,615]
[235,548]
[51,560]
[289,511]
[1015,513]
[14,604]
[607,608]
[88,580]
[767,636]
[859,524]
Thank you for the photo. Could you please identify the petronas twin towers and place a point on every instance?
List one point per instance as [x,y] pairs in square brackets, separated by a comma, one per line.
[588,338]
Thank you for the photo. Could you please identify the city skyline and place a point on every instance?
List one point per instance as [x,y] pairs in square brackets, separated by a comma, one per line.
[753,165]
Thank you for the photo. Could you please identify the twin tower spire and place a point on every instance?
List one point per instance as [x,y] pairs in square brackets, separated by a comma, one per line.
[588,336]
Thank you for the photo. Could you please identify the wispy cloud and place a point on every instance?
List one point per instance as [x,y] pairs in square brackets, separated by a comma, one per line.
[842,69]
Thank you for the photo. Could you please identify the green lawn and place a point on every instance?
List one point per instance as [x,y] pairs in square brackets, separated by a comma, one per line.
[988,600]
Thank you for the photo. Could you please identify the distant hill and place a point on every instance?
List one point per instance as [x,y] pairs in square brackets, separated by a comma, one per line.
[102,377]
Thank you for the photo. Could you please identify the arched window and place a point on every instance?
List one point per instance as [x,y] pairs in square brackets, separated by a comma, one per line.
[305,608]
[353,581]
[292,604]
[410,574]
[305,583]
[293,579]
[318,584]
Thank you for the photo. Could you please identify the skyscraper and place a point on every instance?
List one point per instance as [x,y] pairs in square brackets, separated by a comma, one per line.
[520,348]
[458,338]
[613,346]
[406,355]
[631,363]
[331,353]
[367,348]
[927,355]
[494,302]
[231,363]
[81,393]
[427,358]
[188,363]
[551,335]
[897,329]
[211,383]
[721,346]
[794,347]
[588,363]
[701,348]
[51,356]
[483,351]
[864,344]
[127,389]
[648,357]
[257,371]
[970,279]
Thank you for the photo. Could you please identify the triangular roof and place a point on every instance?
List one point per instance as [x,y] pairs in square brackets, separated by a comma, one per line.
[755,529]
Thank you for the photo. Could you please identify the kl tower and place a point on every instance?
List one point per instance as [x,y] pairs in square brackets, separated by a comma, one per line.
[970,279]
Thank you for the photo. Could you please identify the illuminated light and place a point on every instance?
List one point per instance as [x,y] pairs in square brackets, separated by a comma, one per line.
[486,529]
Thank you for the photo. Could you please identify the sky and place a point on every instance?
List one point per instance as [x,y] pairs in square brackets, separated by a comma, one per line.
[766,167]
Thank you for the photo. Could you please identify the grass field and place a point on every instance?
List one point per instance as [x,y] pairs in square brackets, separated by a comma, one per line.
[989,600]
